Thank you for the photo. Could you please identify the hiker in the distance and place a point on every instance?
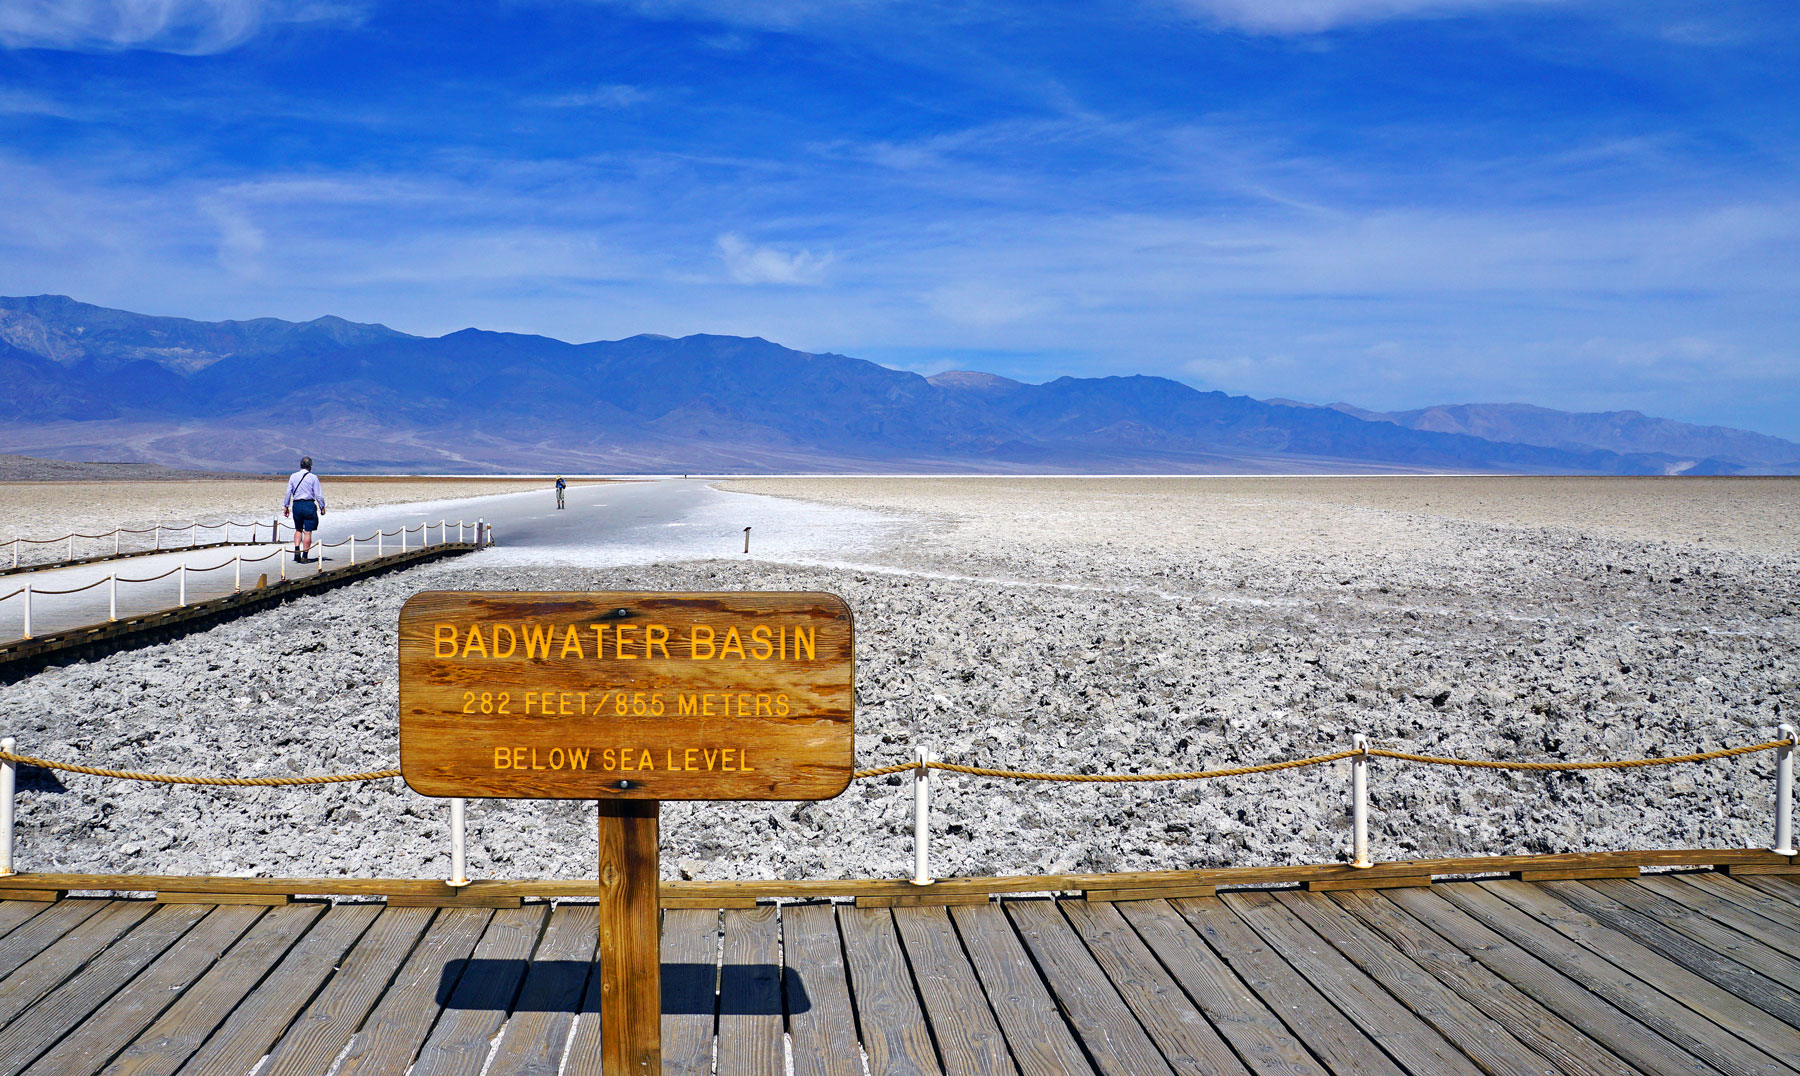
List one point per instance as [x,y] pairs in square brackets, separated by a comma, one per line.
[560,486]
[305,501]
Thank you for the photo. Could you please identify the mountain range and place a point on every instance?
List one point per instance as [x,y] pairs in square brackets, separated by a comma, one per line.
[84,382]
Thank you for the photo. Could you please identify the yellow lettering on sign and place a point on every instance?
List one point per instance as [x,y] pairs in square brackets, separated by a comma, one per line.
[443,635]
[656,637]
[805,637]
[762,645]
[538,638]
[502,759]
[473,642]
[512,641]
[687,705]
[619,642]
[732,644]
[698,635]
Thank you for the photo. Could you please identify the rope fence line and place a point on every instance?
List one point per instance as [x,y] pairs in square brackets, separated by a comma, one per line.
[980,771]
[923,764]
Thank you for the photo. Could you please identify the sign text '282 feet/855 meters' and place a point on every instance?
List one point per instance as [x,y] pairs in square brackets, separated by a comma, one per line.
[598,695]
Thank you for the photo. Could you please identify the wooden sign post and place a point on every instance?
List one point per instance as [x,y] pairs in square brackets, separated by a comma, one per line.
[627,698]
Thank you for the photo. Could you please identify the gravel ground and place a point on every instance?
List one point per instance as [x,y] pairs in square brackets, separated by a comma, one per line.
[1070,625]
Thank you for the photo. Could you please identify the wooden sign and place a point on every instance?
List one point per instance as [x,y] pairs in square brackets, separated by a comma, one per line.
[624,695]
[627,698]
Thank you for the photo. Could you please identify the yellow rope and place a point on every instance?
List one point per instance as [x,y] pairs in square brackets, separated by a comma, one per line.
[979,771]
[175,779]
[1620,764]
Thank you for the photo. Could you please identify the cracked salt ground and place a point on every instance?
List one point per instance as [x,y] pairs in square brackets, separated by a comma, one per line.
[1516,641]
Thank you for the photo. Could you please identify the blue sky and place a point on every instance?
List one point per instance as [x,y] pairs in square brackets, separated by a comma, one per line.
[1587,205]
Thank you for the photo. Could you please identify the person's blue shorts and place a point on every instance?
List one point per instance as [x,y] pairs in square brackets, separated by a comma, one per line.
[306,516]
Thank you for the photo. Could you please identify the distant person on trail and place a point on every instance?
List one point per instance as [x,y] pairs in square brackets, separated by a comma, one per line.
[306,502]
[560,486]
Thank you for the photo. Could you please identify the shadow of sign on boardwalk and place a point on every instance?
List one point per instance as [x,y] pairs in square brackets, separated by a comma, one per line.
[558,986]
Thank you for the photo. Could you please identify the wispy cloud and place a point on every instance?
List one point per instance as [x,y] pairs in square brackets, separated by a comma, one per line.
[618,95]
[749,263]
[192,27]
[1311,16]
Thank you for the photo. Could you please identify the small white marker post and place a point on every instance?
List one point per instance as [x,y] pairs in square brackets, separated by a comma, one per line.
[9,779]
[1784,795]
[459,843]
[181,579]
[112,597]
[1359,802]
[922,817]
[27,631]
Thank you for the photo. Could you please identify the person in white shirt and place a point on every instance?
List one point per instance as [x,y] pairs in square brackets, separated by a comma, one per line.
[305,501]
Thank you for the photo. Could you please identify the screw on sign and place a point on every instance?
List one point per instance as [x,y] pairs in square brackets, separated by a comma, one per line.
[627,698]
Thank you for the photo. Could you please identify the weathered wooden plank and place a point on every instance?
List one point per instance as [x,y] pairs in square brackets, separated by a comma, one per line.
[1041,1043]
[817,888]
[93,1042]
[1361,880]
[460,1042]
[261,1018]
[472,900]
[1775,887]
[319,1034]
[968,1037]
[924,898]
[53,923]
[750,1023]
[1409,1040]
[390,1037]
[537,1034]
[1567,873]
[1539,1028]
[1719,1004]
[1641,996]
[1188,1043]
[820,1019]
[38,896]
[1150,893]
[1764,957]
[1101,1019]
[1785,915]
[15,913]
[1464,1025]
[184,1025]
[260,899]
[1606,1024]
[893,1026]
[58,1011]
[1256,1033]
[1339,1043]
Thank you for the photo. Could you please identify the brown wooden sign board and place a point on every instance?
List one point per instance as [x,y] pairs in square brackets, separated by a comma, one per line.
[627,698]
[627,695]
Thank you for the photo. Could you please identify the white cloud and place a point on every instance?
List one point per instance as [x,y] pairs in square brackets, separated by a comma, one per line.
[984,305]
[612,96]
[749,264]
[1310,16]
[192,27]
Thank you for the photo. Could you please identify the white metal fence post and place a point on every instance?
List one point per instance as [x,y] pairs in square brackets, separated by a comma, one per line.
[237,574]
[71,545]
[1359,802]
[159,536]
[459,842]
[9,783]
[481,531]
[1784,795]
[116,541]
[181,580]
[922,817]
[353,547]
[402,537]
[15,544]
[112,597]
[378,543]
[28,609]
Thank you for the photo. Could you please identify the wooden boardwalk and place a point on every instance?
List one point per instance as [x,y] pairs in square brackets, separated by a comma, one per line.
[1693,973]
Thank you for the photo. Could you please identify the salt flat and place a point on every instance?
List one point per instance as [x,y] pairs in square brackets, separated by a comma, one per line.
[1080,624]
